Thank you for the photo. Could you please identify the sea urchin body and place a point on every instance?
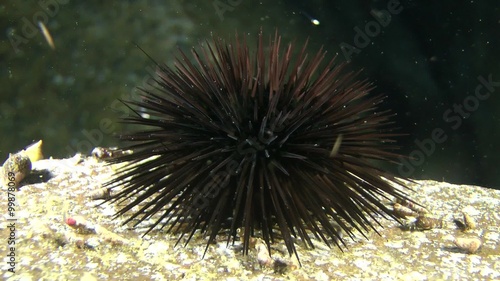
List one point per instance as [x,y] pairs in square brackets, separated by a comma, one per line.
[257,141]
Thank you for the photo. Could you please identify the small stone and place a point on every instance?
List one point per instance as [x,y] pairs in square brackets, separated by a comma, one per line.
[470,245]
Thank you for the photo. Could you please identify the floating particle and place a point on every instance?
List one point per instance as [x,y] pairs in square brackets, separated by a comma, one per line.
[47,35]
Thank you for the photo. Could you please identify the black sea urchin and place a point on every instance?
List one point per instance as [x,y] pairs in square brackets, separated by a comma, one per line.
[259,141]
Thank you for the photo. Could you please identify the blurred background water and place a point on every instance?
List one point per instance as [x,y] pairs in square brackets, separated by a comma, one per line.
[437,61]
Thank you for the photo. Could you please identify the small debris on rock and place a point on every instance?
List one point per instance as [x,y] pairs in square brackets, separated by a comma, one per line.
[468,244]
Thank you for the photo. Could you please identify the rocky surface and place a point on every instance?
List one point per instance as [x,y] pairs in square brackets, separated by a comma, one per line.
[62,233]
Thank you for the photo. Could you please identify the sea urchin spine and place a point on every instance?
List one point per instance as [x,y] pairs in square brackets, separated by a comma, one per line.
[258,140]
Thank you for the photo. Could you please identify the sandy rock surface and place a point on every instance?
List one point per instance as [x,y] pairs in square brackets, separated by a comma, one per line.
[61,233]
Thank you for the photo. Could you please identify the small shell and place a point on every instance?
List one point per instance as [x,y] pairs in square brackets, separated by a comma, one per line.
[412,206]
[15,169]
[469,222]
[263,256]
[470,245]
[101,193]
[34,151]
[82,226]
[403,212]
[426,223]
[102,153]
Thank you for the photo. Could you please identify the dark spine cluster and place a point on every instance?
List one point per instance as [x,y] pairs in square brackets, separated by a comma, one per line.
[280,146]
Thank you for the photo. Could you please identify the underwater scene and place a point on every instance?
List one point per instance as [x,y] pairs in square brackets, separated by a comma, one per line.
[65,66]
[250,140]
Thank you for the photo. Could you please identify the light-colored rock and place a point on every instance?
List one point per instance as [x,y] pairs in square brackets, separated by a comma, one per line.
[44,251]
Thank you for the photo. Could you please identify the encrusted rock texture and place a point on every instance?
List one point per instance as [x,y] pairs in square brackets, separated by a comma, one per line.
[63,233]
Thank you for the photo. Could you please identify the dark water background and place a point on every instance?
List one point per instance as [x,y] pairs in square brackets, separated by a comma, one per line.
[433,60]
